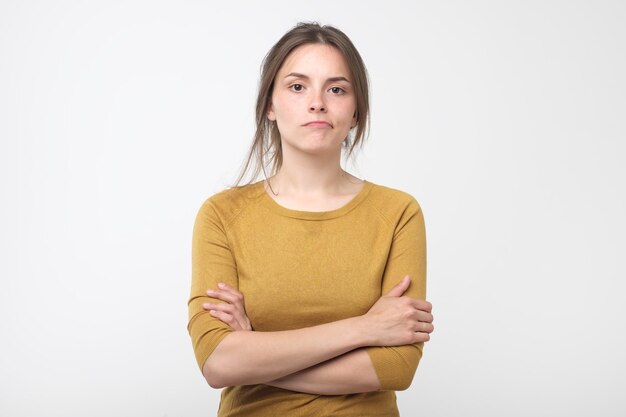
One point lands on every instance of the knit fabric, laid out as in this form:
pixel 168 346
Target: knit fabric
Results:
pixel 298 269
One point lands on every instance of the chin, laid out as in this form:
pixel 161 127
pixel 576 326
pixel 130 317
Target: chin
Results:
pixel 317 148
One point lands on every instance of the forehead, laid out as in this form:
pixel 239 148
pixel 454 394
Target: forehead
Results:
pixel 311 59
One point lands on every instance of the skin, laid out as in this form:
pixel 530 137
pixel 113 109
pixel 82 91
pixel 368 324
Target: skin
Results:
pixel 313 84
pixel 305 91
pixel 335 376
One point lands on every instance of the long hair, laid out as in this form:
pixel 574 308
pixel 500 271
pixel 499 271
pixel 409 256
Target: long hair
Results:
pixel 266 145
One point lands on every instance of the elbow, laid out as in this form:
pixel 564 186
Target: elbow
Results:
pixel 401 382
pixel 406 372
pixel 404 383
pixel 213 381
pixel 218 368
pixel 405 378
pixel 213 376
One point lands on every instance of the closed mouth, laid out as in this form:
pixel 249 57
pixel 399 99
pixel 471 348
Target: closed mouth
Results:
pixel 318 123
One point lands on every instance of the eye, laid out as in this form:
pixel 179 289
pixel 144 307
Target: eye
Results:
pixel 337 90
pixel 296 87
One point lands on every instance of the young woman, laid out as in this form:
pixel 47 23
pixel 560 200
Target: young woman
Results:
pixel 308 287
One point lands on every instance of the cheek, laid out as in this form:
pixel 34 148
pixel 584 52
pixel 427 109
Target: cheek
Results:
pixel 348 110
pixel 286 108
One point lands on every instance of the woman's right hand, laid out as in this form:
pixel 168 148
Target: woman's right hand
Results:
pixel 396 320
pixel 232 311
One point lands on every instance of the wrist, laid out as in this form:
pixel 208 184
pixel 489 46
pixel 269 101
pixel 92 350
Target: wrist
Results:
pixel 360 333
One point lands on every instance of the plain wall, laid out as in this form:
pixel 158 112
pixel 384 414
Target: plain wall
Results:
pixel 504 119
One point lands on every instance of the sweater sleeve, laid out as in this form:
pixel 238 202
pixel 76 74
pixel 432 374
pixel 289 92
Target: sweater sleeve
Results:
pixel 396 365
pixel 212 262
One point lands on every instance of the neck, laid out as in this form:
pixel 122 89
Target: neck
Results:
pixel 310 175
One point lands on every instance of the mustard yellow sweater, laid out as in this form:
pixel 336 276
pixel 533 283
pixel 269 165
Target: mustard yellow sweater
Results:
pixel 318 267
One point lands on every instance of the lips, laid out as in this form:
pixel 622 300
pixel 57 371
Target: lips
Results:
pixel 318 123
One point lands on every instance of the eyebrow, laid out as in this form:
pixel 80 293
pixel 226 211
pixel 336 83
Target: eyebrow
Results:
pixel 332 79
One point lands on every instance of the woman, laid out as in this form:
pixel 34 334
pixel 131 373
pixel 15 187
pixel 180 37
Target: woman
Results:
pixel 333 268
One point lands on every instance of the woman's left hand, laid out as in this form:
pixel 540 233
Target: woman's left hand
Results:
pixel 233 311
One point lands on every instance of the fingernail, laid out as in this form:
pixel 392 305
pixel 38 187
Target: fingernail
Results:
pixel 207 305
pixel 210 291
pixel 221 285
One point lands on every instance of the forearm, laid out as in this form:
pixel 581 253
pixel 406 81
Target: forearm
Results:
pixel 349 373
pixel 246 358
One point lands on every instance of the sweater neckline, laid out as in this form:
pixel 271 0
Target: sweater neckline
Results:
pixel 273 205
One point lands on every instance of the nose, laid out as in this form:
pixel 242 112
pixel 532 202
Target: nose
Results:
pixel 317 103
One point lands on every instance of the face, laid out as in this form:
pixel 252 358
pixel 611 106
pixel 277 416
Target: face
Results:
pixel 313 101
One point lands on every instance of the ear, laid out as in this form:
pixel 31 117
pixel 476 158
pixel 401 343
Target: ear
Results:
pixel 270 112
pixel 354 121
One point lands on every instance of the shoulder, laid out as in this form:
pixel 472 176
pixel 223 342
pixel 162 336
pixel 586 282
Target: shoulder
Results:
pixel 228 203
pixel 392 203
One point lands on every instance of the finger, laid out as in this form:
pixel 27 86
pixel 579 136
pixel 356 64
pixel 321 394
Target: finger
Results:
pixel 229 289
pixel 224 286
pixel 422 327
pixel 227 307
pixel 427 328
pixel 226 318
pixel 421 337
pixel 225 295
pixel 424 316
pixel 240 313
pixel 243 321
pixel 422 305
pixel 238 295
pixel 234 311
pixel 400 287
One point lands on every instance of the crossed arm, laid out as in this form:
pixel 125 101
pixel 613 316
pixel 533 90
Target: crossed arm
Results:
pixel 393 319
pixel 328 361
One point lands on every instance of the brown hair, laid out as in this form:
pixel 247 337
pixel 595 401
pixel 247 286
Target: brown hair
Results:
pixel 267 137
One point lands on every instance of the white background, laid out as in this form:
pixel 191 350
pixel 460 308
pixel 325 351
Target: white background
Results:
pixel 505 120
